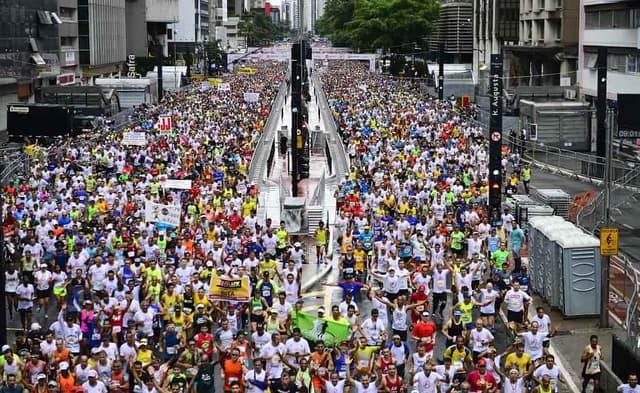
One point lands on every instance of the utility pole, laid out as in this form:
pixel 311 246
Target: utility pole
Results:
pixel 495 140
pixel 3 269
pixel 159 65
pixel 604 151
pixel 441 72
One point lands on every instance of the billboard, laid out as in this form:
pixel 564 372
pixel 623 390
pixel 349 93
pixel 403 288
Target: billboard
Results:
pixel 39 120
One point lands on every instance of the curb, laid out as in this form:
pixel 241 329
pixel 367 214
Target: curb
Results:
pixel 560 359
pixel 317 278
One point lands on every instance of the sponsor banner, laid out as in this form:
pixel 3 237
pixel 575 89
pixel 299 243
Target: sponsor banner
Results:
pixel 251 97
pixel 314 328
pixel 229 289
pixel 224 87
pixel 162 214
pixel 177 184
pixel 134 138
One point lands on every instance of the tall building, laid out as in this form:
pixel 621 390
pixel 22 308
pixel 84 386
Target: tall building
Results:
pixel 224 23
pixel 547 50
pixel 29 49
pixel 146 25
pixel 102 38
pixel 191 30
pixel 69 42
pixel 454 29
pixel 495 24
pixel 616 25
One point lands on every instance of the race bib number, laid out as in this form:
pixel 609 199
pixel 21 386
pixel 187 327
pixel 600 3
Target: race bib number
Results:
pixel 171 350
pixel 117 329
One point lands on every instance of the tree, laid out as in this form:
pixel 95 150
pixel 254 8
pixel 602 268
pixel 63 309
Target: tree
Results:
pixel 214 51
pixel 377 24
pixel 260 30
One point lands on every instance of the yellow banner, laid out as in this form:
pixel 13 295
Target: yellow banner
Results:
pixel 197 77
pixel 246 70
pixel 214 81
pixel 229 289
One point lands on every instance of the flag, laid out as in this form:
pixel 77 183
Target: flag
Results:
pixel 314 329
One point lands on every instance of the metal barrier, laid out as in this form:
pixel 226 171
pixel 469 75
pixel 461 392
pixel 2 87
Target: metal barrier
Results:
pixel 262 148
pixel 339 156
pixel 623 298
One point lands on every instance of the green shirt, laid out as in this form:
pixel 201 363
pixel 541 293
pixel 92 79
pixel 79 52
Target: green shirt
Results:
pixel 500 257
pixel 456 240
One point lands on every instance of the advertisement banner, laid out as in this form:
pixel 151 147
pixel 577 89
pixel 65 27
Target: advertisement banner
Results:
pixel 314 328
pixel 162 214
pixel 134 138
pixel 224 87
pixel 176 184
pixel 251 97
pixel 229 289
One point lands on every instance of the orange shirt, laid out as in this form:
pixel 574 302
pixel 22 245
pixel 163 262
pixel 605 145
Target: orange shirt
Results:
pixel 67 385
pixel 232 372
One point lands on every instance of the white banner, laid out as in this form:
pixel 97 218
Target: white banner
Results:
pixel 224 87
pixel 164 214
pixel 134 138
pixel 176 184
pixel 251 97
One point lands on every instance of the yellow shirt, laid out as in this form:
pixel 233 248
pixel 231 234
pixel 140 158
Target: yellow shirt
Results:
pixel 521 362
pixel 269 266
pixel 360 256
pixel 144 356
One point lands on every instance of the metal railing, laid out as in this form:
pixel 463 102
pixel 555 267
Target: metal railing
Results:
pixel 589 166
pixel 317 198
pixel 339 157
pixel 263 147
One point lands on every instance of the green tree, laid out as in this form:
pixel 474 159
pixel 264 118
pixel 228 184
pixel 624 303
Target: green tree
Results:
pixel 376 24
pixel 214 51
pixel 260 30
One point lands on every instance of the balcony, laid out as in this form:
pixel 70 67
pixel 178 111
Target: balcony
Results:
pixel 621 38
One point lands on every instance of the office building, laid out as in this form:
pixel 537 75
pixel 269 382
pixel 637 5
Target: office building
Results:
pixel 191 30
pixel 615 25
pixel 29 49
pixel 146 25
pixel 224 23
pixel 547 50
pixel 454 29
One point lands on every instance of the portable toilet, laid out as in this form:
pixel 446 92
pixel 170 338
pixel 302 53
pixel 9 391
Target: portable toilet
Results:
pixel 536 248
pixel 553 266
pixel 580 256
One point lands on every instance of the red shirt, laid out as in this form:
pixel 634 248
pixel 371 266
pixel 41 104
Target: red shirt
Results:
pixel 475 379
pixel 425 330
pixel 418 297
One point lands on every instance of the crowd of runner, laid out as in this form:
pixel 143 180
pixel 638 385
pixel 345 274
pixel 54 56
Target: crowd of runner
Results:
pixel 108 302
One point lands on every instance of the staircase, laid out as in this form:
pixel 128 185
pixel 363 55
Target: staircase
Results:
pixel 314 216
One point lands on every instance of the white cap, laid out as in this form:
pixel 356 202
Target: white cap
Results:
pixel 297 244
pixel 321 309
pixel 209 263
pixel 93 374
pixel 41 376
pixel 35 326
pixel 6 348
pixel 64 365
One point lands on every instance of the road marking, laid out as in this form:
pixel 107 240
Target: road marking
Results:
pixel 314 294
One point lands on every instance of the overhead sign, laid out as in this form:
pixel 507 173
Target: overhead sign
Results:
pixel 251 97
pixel 134 138
pixel 162 214
pixel 609 242
pixel 229 289
pixel 165 123
pixel 628 116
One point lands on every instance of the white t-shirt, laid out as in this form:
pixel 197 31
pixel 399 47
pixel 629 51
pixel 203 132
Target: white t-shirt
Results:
pixel 337 388
pixel 99 388
pixel 373 329
pixel 515 300
pixel 625 388
pixel 427 384
pixel 42 279
pixel 25 293
pixel 533 344
pixel 478 337
pixel 251 376
pixel 274 363
pixel 293 346
pixel 369 389
pixel 553 373
pixel 543 323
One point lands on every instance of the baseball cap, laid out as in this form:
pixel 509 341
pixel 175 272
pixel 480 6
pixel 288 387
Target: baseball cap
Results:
pixel 321 309
pixel 144 341
pixel 297 244
pixel 93 374
pixel 64 366
pixel 482 362
pixel 41 376
pixel 425 313
pixel 457 313
pixel 421 288
pixel 5 348
pixel 200 305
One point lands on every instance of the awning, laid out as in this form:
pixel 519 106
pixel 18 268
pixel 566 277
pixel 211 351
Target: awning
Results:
pixel 44 17
pixel 37 59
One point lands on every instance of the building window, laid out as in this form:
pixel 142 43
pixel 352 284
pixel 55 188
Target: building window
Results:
pixel 606 19
pixel 67 42
pixel 621 19
pixel 635 18
pixel 617 63
pixel 67 13
pixel 632 63
pixel 592 20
